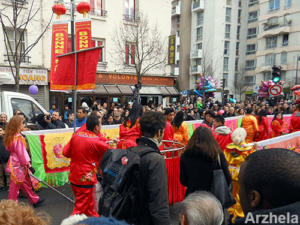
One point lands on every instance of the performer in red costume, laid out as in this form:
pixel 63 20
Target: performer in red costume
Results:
pixel 221 133
pixel 86 151
pixel 168 133
pixel 130 128
pixel 295 120
pixel 277 125
pixel 263 126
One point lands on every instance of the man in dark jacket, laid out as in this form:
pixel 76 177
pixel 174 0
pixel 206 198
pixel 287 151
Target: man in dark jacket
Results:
pixel 153 171
pixel 269 187
pixel 54 122
pixel 208 118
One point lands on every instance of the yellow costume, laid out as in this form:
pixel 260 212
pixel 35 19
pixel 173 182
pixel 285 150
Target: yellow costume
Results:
pixel 235 156
pixel 250 124
pixel 181 134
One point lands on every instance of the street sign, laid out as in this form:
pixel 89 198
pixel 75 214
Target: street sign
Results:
pixel 275 90
pixel 184 93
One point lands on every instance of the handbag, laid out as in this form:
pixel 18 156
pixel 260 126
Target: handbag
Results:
pixel 220 188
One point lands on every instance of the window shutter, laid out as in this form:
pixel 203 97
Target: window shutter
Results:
pixel 126 54
pixel 132 54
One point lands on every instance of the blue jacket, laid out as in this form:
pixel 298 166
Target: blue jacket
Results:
pixel 79 123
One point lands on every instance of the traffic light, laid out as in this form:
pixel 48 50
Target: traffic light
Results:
pixel 276 74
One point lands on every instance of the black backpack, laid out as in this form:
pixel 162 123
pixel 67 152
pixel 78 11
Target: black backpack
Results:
pixel 122 192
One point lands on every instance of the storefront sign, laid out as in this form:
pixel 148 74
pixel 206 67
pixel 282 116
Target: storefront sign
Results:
pixel 59 44
pixel 83 35
pixel 132 79
pixel 28 76
pixel 172 47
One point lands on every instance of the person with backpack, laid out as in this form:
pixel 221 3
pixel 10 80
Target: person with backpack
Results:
pixel 86 151
pixel 134 180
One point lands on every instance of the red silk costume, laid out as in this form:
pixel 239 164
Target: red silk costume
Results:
pixel 223 136
pixel 129 135
pixel 276 126
pixel 295 122
pixel 263 129
pixel 168 136
pixel 86 151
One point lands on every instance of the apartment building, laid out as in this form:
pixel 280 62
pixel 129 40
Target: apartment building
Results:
pixel 209 33
pixel 114 82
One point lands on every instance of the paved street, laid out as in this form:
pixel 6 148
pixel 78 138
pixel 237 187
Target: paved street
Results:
pixel 56 206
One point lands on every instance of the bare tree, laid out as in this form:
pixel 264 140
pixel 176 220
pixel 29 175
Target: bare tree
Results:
pixel 239 82
pixel 208 65
pixel 15 19
pixel 139 47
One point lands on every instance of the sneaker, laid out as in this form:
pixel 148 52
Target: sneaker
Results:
pixel 35 205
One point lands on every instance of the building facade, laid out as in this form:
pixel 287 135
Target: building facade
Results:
pixel 209 33
pixel 106 17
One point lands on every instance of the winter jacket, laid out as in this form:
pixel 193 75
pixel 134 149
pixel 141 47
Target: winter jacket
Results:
pixel 153 175
pixel 196 171
pixel 4 154
pixel 289 214
pixel 223 136
pixel 56 124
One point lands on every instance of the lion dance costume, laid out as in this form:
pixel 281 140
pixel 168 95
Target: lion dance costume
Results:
pixel 235 154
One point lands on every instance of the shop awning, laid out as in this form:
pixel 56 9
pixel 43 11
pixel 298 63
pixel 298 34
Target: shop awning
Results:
pixel 99 89
pixel 164 91
pixel 172 91
pixel 112 89
pixel 150 91
pixel 125 89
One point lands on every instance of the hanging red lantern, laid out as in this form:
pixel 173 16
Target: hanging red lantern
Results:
pixel 83 8
pixel 59 9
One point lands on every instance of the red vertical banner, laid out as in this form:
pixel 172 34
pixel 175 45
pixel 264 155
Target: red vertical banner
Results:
pixel 83 35
pixel 59 46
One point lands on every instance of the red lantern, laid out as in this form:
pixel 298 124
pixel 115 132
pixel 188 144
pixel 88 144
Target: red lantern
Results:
pixel 83 8
pixel 59 9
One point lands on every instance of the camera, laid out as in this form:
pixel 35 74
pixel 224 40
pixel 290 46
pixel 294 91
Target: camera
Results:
pixel 48 117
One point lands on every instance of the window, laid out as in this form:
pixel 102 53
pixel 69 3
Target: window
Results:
pixel 199 46
pixel 226 64
pixel 225 77
pixel 130 10
pixel 100 43
pixel 251 49
pixel 238 32
pixel 250 64
pixel 239 15
pixel 268 76
pixel 227 31
pixel 252 33
pixel 252 17
pixel 271 42
pixel 285 40
pixel 29 109
pixel 130 54
pixel 199 18
pixel 97 7
pixel 237 48
pixel 228 2
pixel 249 80
pixel 20 36
pixel 228 14
pixel 283 58
pixel 253 2
pixel 274 5
pixel 199 33
pixel 287 4
pixel 236 64
pixel 270 59
pixel 226 47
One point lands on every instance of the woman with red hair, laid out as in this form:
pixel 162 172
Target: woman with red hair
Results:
pixel 19 162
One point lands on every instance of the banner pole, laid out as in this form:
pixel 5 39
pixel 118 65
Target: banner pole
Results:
pixel 75 92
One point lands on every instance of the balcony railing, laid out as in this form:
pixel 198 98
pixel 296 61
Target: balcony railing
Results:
pixel 9 57
pixel 196 53
pixel 98 12
pixel 196 69
pixel 176 10
pixel 131 18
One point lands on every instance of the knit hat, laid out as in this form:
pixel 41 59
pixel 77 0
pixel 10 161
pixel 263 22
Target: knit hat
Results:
pixel 101 220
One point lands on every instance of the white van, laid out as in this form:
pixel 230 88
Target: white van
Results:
pixel 12 101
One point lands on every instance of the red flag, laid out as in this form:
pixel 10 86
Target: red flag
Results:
pixel 86 71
